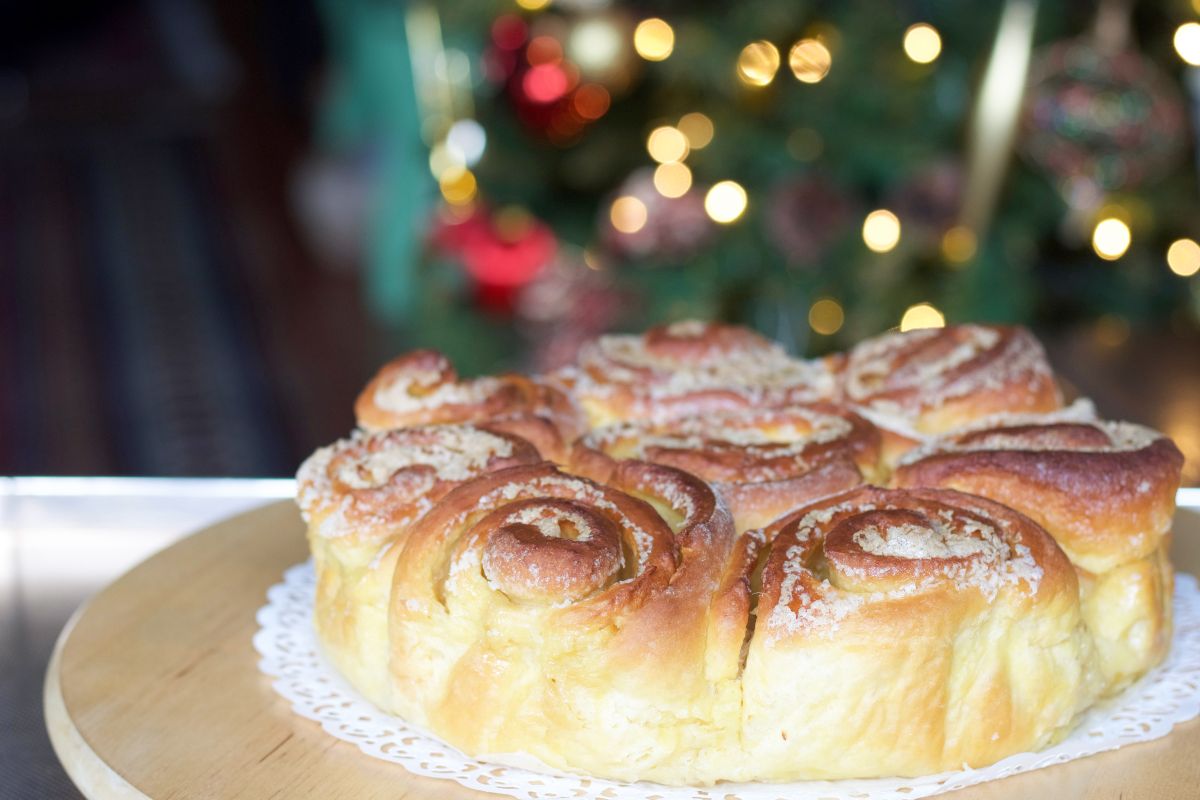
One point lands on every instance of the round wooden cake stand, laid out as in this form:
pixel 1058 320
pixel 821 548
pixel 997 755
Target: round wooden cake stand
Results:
pixel 154 691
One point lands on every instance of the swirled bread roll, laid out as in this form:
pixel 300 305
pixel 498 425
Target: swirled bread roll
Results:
pixel 1106 492
pixel 687 368
pixel 359 498
pixel 929 381
pixel 762 461
pixel 423 388
pixel 544 614
pixel 908 632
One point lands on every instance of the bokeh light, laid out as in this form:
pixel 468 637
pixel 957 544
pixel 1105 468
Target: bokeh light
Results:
pixel 1187 42
pixel 458 186
pixel 467 140
pixel 1183 257
pixel 698 129
pixel 959 244
pixel 1111 238
pixel 591 101
pixel 881 230
pixel 725 202
pixel 533 5
pixel 545 83
pixel 544 50
pixel 805 144
pixel 595 44
pixel 826 316
pixel 667 144
pixel 757 63
pixel 628 214
pixel 922 315
pixel 922 43
pixel 672 179
pixel 653 39
pixel 810 60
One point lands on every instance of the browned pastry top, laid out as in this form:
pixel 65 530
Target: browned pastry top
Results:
pixel 1104 489
pixel 940 378
pixel 422 388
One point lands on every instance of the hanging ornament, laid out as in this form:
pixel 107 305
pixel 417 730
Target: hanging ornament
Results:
pixel 502 252
pixel 640 222
pixel 929 200
pixel 806 215
pixel 1100 121
pixel 566 305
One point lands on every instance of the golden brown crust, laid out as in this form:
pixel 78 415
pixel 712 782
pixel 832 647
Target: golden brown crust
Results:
pixel 612 619
pixel 762 461
pixel 1106 492
pixel 937 379
pixel 491 654
pixel 688 368
pixel 423 388
pixel 897 596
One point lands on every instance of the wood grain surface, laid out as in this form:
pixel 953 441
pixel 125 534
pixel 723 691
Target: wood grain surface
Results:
pixel 154 692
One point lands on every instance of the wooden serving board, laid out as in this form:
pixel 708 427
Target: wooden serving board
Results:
pixel 153 691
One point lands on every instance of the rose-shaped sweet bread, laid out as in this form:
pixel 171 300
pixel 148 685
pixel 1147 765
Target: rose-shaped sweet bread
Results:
pixel 359 497
pixel 1106 492
pixel 907 632
pixel 544 614
pixel 423 388
pixel 687 368
pixel 934 380
pixel 762 461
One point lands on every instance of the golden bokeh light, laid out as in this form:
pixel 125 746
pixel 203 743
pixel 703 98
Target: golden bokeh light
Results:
pixel 698 129
pixel 881 230
pixel 810 60
pixel 725 202
pixel 443 159
pixel 628 214
pixel 1187 42
pixel 1111 330
pixel 757 63
pixel 457 185
pixel 922 315
pixel 654 39
pixel 667 144
pixel 805 144
pixel 1183 257
pixel 959 244
pixel 922 43
pixel 826 316
pixel 533 5
pixel 672 179
pixel 1111 238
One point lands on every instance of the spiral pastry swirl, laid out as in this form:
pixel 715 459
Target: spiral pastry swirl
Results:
pixel 1106 492
pixel 929 381
pixel 952 617
pixel 423 388
pixel 688 367
pixel 359 497
pixel 530 599
pixel 762 461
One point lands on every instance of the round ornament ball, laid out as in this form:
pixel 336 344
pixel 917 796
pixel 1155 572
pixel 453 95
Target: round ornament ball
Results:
pixel 1114 120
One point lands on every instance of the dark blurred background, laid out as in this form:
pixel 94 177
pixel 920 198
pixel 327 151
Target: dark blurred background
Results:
pixel 217 218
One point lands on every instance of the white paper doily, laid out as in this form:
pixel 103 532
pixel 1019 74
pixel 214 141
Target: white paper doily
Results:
pixel 1149 709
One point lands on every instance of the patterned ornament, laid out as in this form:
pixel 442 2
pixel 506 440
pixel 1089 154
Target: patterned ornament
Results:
pixel 806 215
pixel 928 201
pixel 1109 120
pixel 674 229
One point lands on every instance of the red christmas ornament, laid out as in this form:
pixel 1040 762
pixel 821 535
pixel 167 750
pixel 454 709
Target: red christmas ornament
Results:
pixel 506 255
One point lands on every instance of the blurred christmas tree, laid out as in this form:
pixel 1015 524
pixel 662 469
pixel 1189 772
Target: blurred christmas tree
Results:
pixel 821 171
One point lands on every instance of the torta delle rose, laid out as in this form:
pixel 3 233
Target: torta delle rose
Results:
pixel 691 558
